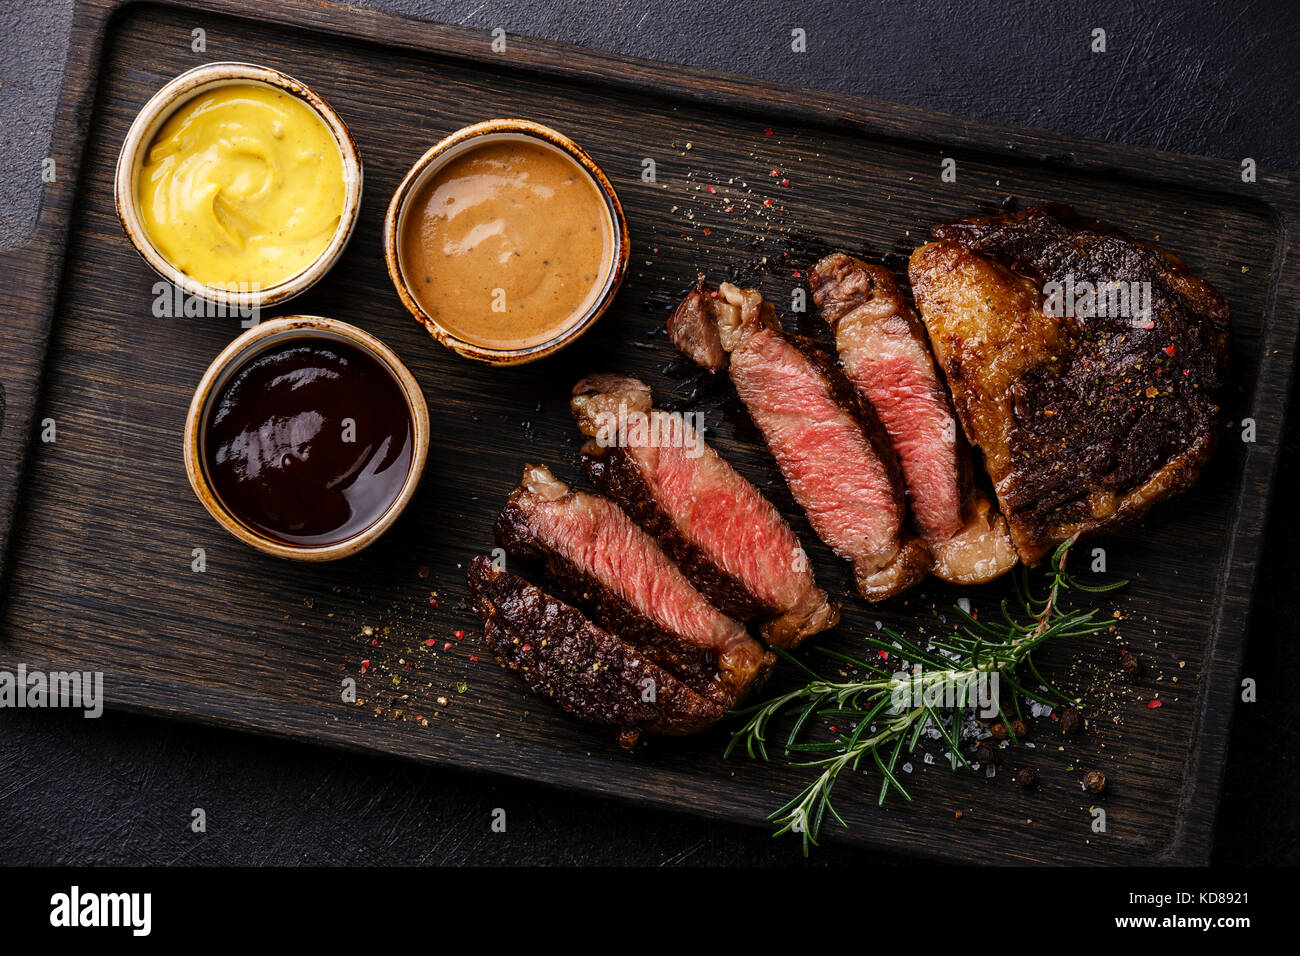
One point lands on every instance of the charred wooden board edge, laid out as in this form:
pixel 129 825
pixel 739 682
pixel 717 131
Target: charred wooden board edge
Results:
pixel 35 269
pixel 323 727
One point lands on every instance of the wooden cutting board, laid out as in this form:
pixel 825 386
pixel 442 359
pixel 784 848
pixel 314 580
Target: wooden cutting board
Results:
pixel 100 525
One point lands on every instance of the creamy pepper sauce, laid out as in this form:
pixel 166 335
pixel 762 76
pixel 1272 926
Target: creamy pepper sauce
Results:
pixel 508 245
pixel 242 187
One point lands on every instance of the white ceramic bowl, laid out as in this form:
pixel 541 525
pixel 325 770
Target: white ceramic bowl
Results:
pixel 243 349
pixel 141 135
pixel 444 152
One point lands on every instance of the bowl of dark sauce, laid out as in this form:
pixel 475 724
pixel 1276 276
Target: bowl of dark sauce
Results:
pixel 306 438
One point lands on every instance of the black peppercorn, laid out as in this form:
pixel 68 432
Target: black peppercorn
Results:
pixel 1027 777
pixel 1071 720
pixel 1094 781
pixel 1131 665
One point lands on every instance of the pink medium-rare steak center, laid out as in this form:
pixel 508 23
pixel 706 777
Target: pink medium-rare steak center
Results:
pixel 830 465
pixel 710 502
pixel 593 534
pixel 917 419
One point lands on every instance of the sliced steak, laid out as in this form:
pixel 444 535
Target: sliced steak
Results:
pixel 828 443
pixel 588 672
pixel 1087 408
pixel 883 349
pixel 632 588
pixel 728 539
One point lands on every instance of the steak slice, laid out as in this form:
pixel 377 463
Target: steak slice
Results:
pixel 1087 408
pixel 588 672
pixel 883 350
pixel 728 539
pixel 595 552
pixel 828 443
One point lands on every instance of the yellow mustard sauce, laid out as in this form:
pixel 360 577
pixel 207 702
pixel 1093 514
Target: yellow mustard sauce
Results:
pixel 242 187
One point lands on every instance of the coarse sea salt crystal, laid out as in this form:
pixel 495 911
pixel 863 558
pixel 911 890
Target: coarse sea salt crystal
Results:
pixel 964 604
pixel 990 771
pixel 929 758
pixel 907 767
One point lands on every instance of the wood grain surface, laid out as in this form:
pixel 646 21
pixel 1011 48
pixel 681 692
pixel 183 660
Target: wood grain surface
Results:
pixel 98 564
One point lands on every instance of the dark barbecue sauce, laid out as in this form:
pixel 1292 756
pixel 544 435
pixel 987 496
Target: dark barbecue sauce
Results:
pixel 278 452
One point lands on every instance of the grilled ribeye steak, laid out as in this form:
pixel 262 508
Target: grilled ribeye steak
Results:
pixel 727 538
pixel 1084 365
pixel 588 672
pixel 883 349
pixel 616 570
pixel 828 443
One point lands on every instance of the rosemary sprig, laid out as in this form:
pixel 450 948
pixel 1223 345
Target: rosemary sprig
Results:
pixel 882 716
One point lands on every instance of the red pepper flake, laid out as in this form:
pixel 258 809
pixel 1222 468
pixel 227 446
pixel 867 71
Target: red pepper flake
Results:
pixel 767 132
pixel 365 665
pixel 767 202
pixel 375 642
pixel 774 173
pixel 430 642
pixel 728 209
pixel 1148 324
pixel 1186 372
pixel 785 182
pixel 1123 652
pixel 713 294
pixel 1153 704
pixel 711 189
pixel 708 231
pixel 798 274
pixel 834 729
pixel 884 654
pixel 458 634
pixel 526 648
pixel 433 600
pixel 1169 350
pixel 447 646
pixel 473 658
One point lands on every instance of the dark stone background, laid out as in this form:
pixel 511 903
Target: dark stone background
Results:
pixel 1215 78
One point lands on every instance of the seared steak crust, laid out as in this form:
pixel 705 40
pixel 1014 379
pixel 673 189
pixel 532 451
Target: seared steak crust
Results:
pixel 588 672
pixel 884 352
pixel 610 566
pixel 1084 420
pixel 728 540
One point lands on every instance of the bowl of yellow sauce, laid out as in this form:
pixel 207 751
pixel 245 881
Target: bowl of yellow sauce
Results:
pixel 238 184
pixel 506 241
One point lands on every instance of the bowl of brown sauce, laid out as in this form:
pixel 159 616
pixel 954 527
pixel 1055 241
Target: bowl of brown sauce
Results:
pixel 506 241
pixel 306 438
